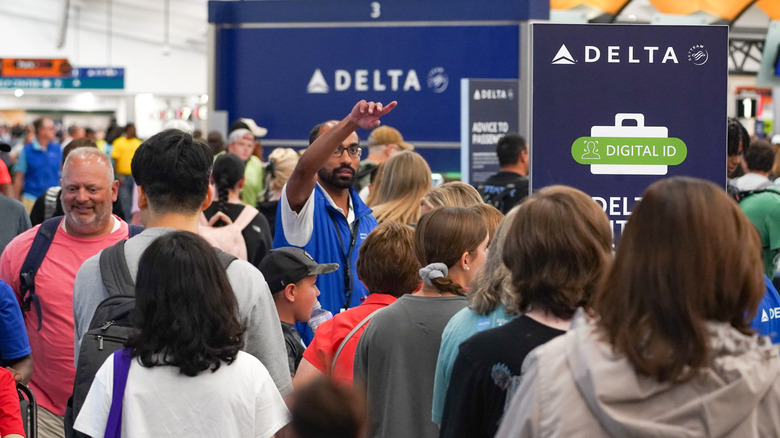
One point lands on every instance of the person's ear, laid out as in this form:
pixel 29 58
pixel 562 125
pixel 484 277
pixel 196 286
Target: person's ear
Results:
pixel 524 156
pixel 143 201
pixel 114 190
pixel 240 183
pixel 465 260
pixel 289 292
pixel 207 201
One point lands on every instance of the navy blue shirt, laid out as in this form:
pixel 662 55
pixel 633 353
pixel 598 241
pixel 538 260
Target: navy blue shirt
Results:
pixel 767 319
pixel 13 336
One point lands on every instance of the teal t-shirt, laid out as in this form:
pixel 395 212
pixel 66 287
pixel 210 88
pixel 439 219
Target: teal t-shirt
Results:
pixel 763 210
pixel 461 326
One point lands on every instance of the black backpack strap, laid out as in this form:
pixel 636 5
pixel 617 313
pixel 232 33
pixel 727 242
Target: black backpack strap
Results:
pixel 134 230
pixel 364 171
pixel 114 271
pixel 767 187
pixel 32 262
pixel 225 258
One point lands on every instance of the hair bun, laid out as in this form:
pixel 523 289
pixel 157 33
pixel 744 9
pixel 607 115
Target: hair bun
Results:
pixel 433 271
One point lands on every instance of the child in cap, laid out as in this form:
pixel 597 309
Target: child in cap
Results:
pixel 291 274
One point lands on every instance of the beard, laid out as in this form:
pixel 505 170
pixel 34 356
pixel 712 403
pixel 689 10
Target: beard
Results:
pixel 333 179
pixel 89 223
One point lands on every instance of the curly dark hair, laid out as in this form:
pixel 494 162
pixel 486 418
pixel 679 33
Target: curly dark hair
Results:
pixel 186 313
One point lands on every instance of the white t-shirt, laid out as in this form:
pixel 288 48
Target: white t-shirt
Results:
pixel 238 400
pixel 298 227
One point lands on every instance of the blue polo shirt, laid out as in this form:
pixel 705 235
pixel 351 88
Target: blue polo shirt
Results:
pixel 41 168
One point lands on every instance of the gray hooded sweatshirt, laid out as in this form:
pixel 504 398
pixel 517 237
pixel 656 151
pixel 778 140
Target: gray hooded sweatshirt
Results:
pixel 576 386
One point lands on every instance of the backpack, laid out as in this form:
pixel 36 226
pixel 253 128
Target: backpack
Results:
pixel 110 326
pixel 51 196
pixel 228 238
pixel 740 195
pixel 35 256
pixel 498 199
pixel 366 175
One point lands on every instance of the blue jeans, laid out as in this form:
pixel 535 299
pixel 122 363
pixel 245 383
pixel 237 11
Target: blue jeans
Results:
pixel 126 195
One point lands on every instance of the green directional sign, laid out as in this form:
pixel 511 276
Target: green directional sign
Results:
pixel 628 150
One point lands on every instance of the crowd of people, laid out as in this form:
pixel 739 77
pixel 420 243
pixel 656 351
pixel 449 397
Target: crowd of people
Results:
pixel 320 294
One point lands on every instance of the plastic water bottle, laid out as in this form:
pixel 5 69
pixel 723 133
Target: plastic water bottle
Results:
pixel 318 316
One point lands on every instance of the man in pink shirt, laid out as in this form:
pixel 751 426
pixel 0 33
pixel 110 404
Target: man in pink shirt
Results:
pixel 88 190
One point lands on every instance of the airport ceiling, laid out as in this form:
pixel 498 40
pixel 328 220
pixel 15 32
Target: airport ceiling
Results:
pixel 182 24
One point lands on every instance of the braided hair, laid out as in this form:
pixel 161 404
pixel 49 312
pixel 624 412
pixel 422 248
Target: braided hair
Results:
pixel 227 172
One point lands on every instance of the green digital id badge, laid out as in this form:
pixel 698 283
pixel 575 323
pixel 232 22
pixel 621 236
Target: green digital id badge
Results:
pixel 629 150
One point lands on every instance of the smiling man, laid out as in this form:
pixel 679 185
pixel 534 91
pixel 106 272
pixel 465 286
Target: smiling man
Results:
pixel 321 213
pixel 88 190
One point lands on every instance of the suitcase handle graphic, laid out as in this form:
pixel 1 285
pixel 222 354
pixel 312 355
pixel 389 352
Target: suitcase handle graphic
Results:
pixel 656 150
pixel 637 117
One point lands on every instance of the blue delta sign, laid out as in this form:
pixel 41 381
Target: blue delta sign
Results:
pixel 290 65
pixel 616 108
pixel 307 76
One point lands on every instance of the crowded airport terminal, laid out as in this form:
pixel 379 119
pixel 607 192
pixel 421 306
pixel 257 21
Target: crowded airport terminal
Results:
pixel 389 218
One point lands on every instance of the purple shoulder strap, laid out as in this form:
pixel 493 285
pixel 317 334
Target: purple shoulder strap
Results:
pixel 121 368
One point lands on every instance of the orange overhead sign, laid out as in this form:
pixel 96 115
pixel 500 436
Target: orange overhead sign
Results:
pixel 770 7
pixel 34 68
pixel 725 9
pixel 610 7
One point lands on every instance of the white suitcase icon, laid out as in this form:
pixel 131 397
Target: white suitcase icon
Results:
pixel 640 130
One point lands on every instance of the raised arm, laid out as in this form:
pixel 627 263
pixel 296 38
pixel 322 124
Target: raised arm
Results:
pixel 301 183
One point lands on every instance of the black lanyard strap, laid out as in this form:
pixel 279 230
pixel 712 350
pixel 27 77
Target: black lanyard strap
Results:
pixel 348 256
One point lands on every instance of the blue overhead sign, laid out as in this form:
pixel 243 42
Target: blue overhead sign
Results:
pixel 86 78
pixel 289 79
pixel 616 108
pixel 316 11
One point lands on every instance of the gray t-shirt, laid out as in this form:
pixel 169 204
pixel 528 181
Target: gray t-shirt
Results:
pixel 395 363
pixel 263 338
pixel 14 218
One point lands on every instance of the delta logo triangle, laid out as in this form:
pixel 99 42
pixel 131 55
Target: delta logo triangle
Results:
pixel 317 84
pixel 563 56
pixel 764 317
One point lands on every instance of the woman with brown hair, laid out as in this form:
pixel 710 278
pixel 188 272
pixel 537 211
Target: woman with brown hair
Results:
pixel 557 249
pixel 396 356
pixel 670 353
pixel 402 180
pixel 485 309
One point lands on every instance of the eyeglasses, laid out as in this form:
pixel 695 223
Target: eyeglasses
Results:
pixel 353 151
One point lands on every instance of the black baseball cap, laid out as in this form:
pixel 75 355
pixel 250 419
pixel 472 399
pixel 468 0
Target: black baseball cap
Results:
pixel 288 265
